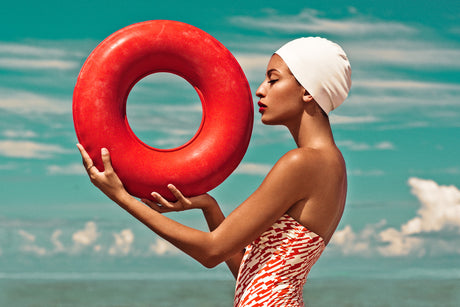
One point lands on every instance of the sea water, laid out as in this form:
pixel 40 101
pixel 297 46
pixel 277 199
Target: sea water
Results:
pixel 177 280
pixel 216 293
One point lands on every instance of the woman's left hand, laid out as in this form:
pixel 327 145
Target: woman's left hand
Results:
pixel 107 180
pixel 182 203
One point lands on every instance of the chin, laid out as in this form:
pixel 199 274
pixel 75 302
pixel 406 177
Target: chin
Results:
pixel 269 122
pixel 265 121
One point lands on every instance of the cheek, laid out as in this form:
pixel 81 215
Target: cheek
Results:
pixel 290 91
pixel 290 98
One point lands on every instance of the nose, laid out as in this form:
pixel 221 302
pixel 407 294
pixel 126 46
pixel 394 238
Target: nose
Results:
pixel 261 90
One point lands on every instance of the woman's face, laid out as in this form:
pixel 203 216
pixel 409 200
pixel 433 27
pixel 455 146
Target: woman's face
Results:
pixel 281 96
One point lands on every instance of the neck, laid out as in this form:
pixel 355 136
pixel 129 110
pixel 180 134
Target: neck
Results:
pixel 312 130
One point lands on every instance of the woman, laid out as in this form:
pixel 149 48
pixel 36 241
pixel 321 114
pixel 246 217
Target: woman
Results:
pixel 272 239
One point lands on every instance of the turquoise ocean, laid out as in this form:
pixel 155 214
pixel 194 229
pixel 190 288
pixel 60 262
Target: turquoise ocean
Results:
pixel 218 293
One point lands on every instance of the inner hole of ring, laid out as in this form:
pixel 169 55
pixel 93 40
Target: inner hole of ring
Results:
pixel 164 111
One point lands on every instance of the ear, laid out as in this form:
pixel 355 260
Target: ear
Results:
pixel 306 97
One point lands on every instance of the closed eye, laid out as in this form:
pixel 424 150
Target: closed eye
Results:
pixel 272 81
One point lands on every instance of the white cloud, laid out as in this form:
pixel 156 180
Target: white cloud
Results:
pixel 436 102
pixel 309 21
pixel 29 50
pixel 138 109
pixel 427 232
pixel 28 149
pixel 162 247
pixel 251 61
pixel 402 84
pixel 29 245
pixel 90 239
pixel 360 146
pixel 399 244
pixel 384 146
pixel 386 95
pixel 404 52
pixel 352 10
pixel 164 126
pixel 440 207
pixel 28 103
pixel 254 64
pixel 341 119
pixel 253 169
pixel 23 134
pixel 372 172
pixel 71 169
pixel 455 170
pixel 27 57
pixel 85 237
pixel 383 104
pixel 123 243
pixel 408 47
pixel 27 236
pixel 58 246
pixel 36 64
pixel 352 243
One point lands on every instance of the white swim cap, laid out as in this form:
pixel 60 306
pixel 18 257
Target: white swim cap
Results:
pixel 321 67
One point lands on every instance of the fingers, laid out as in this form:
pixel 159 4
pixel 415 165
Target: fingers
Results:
pixel 155 206
pixel 161 200
pixel 91 169
pixel 105 155
pixel 160 204
pixel 87 161
pixel 178 195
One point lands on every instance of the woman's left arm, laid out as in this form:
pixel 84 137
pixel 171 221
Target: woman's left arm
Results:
pixel 211 211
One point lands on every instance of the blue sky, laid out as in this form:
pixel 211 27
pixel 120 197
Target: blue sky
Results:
pixel 398 130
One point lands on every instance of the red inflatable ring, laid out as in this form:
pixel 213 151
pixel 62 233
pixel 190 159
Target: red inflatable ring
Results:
pixel 128 55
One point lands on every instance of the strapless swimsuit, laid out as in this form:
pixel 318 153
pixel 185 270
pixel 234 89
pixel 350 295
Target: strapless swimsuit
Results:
pixel 275 266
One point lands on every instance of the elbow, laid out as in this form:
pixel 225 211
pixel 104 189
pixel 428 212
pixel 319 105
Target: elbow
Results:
pixel 214 252
pixel 212 257
pixel 210 261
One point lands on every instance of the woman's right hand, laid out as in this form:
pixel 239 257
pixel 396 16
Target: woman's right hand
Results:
pixel 182 203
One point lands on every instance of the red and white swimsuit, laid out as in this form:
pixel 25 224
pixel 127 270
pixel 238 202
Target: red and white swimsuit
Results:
pixel 275 266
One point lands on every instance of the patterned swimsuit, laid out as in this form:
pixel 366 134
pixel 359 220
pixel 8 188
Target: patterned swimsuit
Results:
pixel 275 266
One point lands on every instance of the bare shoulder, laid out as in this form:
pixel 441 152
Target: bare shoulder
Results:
pixel 301 174
pixel 327 161
pixel 314 171
pixel 320 180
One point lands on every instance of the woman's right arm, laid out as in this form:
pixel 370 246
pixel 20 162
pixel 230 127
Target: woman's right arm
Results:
pixel 284 186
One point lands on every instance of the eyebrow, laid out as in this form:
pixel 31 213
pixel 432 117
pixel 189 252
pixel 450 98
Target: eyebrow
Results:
pixel 272 70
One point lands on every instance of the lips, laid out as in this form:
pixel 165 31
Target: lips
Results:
pixel 262 107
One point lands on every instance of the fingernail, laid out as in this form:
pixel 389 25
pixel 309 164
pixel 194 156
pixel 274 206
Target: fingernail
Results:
pixel 104 151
